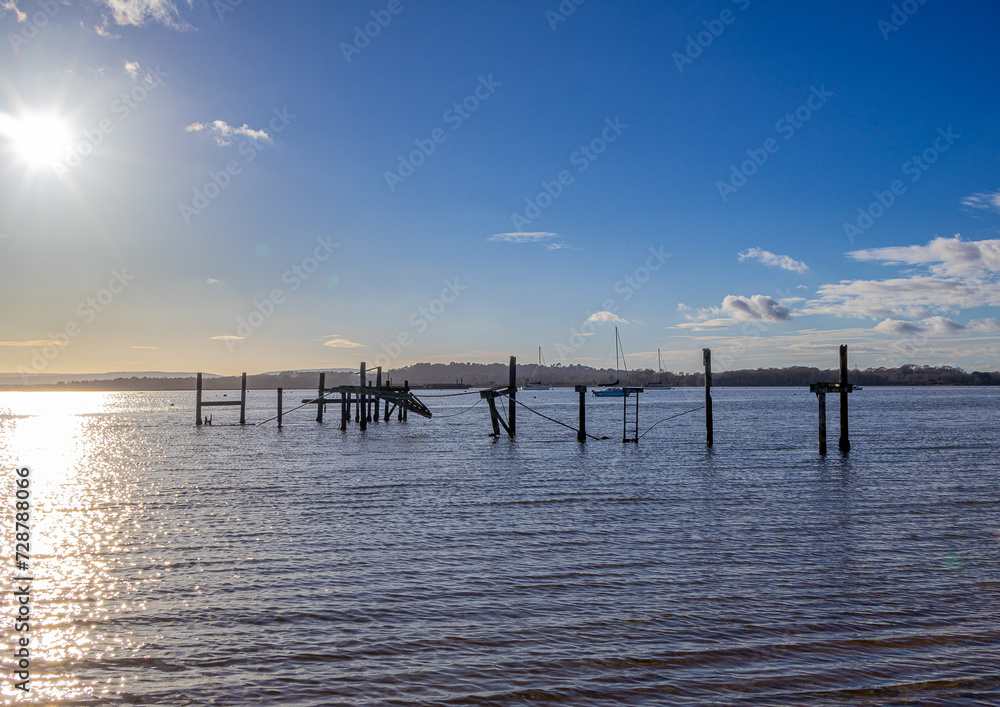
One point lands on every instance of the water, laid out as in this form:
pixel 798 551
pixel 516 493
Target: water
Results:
pixel 424 563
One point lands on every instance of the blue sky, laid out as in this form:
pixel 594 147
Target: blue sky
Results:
pixel 229 186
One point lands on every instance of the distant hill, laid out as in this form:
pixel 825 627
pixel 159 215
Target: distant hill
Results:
pixel 482 375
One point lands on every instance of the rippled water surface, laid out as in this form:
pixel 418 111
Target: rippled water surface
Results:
pixel 423 563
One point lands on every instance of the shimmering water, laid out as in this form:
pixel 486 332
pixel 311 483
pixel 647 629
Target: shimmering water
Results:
pixel 424 563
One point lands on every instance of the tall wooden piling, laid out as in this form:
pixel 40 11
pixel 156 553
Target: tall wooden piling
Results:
pixel 281 393
pixel 345 410
pixel 820 390
pixel 378 384
pixel 845 440
pixel 197 400
pixel 243 400
pixel 709 424
pixel 512 400
pixel 319 397
pixel 363 401
pixel 581 433
pixel 401 415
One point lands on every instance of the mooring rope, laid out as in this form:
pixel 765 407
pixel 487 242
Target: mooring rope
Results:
pixel 441 417
pixel 671 418
pixel 557 421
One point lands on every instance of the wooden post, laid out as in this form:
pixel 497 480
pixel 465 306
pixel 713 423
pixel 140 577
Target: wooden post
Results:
pixel 363 400
pixel 845 440
pixel 368 407
pixel 581 434
pixel 319 397
pixel 403 410
pixel 243 400
pixel 512 403
pixel 197 400
pixel 821 398
pixel 281 392
pixel 378 385
pixel 494 415
pixel 345 409
pixel 709 423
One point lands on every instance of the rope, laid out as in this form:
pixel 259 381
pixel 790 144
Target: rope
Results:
pixel 556 421
pixel 285 412
pixel 441 417
pixel 449 395
pixel 671 418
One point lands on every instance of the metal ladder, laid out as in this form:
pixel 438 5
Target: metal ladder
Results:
pixel 630 418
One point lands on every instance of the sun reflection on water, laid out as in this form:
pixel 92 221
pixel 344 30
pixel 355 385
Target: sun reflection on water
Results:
pixel 79 507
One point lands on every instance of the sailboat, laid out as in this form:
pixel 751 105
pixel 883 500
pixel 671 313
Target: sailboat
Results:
pixel 614 391
pixel 660 385
pixel 528 385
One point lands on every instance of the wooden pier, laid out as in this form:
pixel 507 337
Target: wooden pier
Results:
pixel 375 401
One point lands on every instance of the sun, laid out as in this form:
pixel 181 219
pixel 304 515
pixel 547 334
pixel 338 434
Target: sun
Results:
pixel 35 140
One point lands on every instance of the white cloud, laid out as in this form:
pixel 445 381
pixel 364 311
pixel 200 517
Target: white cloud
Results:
pixel 132 68
pixel 139 12
pixel 226 337
pixel 11 6
pixel 913 298
pixel 938 326
pixel 606 316
pixel 983 201
pixel 945 257
pixel 223 132
pixel 707 325
pixel 766 257
pixel 759 308
pixel 524 237
pixel 144 348
pixel 339 343
pixel 681 307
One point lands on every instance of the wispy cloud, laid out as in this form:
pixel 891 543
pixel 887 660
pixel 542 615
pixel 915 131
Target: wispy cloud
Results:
pixel 524 237
pixel 36 343
pixel 987 200
pixel 735 309
pixel 938 326
pixel 766 257
pixel 132 68
pixel 137 13
pixel 605 316
pixel 337 342
pixel 945 257
pixel 223 132
pixel 11 6
pixel 227 337
pixel 913 297
pixel 144 348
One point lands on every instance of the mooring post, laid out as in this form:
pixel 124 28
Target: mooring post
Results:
pixel 845 440
pixel 345 408
pixel 319 397
pixel 363 405
pixel 197 399
pixel 403 409
pixel 581 434
pixel 371 401
pixel 512 402
pixel 281 392
pixel 709 432
pixel 821 398
pixel 378 386
pixel 243 400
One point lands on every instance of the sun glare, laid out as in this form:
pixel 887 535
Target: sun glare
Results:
pixel 36 140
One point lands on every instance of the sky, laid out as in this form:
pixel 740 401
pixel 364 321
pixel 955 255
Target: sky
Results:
pixel 233 186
